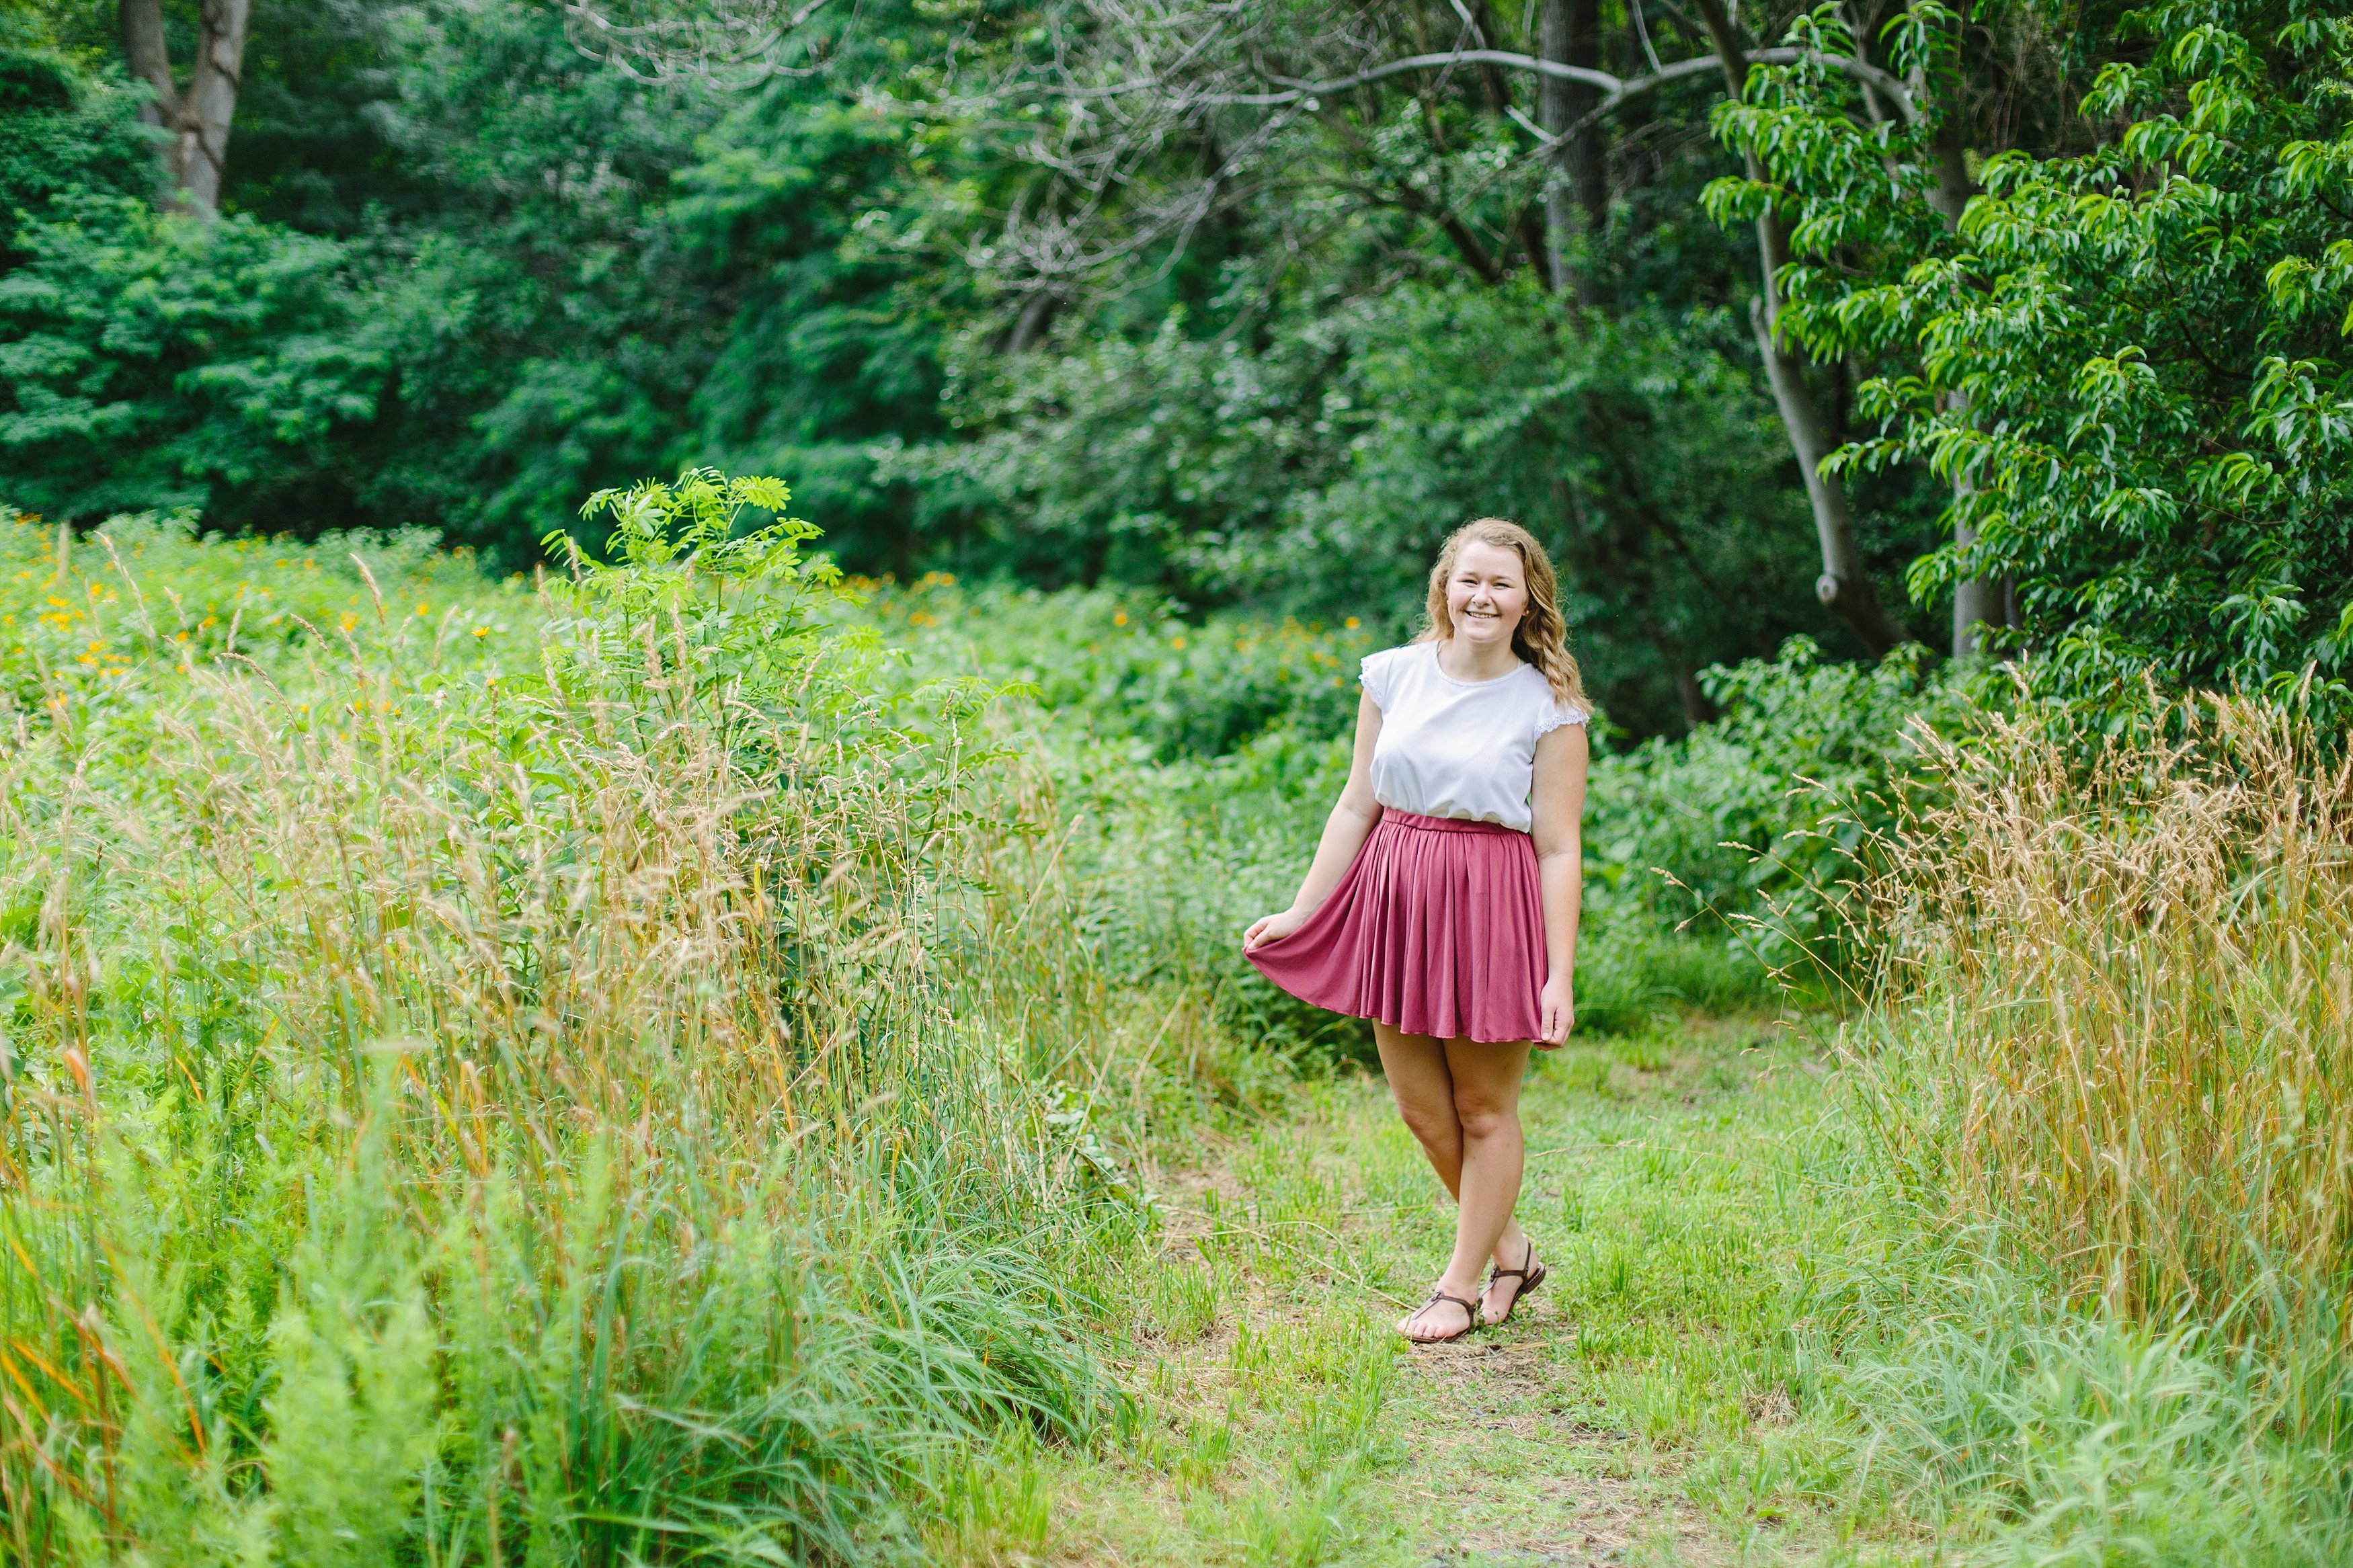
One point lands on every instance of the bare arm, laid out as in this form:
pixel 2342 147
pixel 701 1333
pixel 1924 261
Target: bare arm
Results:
pixel 1558 805
pixel 1345 832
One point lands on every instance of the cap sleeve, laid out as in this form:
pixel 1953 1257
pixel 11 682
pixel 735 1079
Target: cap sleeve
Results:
pixel 1554 714
pixel 1376 674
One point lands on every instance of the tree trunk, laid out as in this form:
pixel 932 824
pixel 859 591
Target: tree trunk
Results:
pixel 1976 601
pixel 1538 244
pixel 1844 587
pixel 1689 694
pixel 1575 189
pixel 1029 327
pixel 1586 156
pixel 1954 186
pixel 1979 599
pixel 198 119
pixel 142 22
pixel 1528 225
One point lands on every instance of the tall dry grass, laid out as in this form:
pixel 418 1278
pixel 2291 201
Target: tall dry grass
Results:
pixel 2119 1016
pixel 470 1115
pixel 2104 1079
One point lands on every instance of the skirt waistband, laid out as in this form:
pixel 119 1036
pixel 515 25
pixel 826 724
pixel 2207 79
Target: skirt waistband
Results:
pixel 1414 820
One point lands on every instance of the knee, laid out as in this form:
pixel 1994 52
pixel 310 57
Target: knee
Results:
pixel 1432 1123
pixel 1482 1117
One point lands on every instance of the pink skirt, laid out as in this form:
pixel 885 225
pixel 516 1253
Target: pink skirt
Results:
pixel 1437 929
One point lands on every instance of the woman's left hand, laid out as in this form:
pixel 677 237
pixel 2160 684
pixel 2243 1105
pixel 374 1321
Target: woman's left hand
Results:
pixel 1557 1006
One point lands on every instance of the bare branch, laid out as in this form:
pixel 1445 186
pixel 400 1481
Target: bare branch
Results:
pixel 733 45
pixel 1147 119
pixel 1616 89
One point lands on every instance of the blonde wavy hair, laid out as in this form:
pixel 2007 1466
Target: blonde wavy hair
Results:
pixel 1542 637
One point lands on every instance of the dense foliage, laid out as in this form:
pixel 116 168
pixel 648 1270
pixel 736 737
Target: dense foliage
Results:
pixel 466 274
pixel 1250 350
pixel 2128 361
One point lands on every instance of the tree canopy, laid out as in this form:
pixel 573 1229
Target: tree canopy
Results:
pixel 1859 321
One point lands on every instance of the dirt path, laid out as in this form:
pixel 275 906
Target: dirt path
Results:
pixel 1640 1409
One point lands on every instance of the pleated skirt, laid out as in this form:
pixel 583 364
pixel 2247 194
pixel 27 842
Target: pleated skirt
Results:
pixel 1437 929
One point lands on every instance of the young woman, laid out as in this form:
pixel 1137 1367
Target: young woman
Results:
pixel 1443 900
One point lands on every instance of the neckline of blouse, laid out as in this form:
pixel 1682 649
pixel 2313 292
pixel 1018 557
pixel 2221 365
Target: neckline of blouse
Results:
pixel 1439 665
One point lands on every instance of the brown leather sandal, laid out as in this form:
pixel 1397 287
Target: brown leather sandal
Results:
pixel 1530 1274
pixel 1470 1313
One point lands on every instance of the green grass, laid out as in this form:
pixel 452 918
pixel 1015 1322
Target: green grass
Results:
pixel 485 1098
pixel 1652 1396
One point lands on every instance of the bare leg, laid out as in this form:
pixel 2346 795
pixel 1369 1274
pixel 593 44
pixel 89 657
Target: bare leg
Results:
pixel 1487 1107
pixel 1431 1095
pixel 1423 1088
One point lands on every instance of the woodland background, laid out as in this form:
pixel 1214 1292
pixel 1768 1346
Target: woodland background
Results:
pixel 1085 292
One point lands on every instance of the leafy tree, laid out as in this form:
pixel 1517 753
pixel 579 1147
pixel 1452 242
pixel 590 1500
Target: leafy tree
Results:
pixel 468 275
pixel 1251 308
pixel 150 359
pixel 832 355
pixel 1391 139
pixel 2128 360
pixel 639 276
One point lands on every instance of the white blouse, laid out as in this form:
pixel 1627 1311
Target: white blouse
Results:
pixel 1459 748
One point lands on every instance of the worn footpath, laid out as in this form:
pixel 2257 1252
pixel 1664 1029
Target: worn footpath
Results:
pixel 1642 1407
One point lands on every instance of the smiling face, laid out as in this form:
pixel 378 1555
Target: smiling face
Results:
pixel 1486 593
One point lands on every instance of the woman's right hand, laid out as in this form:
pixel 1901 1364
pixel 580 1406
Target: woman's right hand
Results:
pixel 1273 928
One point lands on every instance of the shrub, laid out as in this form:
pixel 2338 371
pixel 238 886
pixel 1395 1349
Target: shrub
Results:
pixel 156 361
pixel 1123 665
pixel 1753 823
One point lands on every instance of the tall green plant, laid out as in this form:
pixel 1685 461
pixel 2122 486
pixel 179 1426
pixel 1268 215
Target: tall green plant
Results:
pixel 2101 1091
pixel 674 553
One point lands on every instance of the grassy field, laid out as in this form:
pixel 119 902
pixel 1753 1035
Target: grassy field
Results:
pixel 2029 1252
pixel 664 1064
pixel 487 1078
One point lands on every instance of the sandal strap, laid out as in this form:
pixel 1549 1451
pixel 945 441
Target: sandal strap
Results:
pixel 1527 1266
pixel 1470 1307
